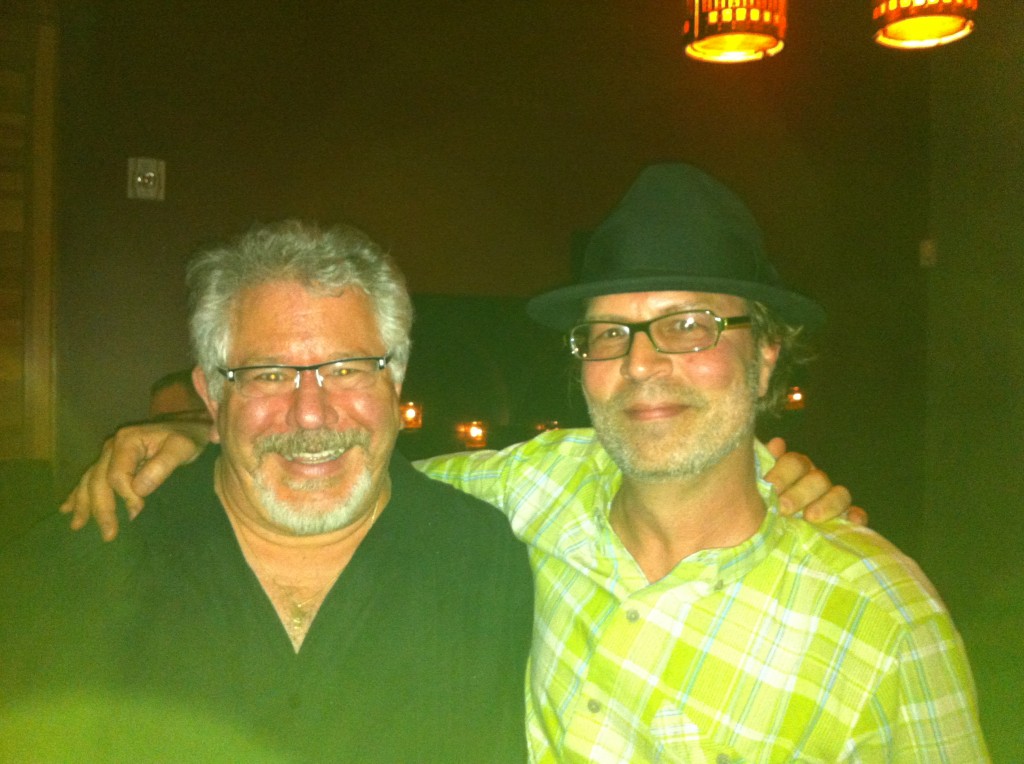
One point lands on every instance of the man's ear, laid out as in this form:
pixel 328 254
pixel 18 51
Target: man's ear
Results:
pixel 212 404
pixel 398 398
pixel 769 356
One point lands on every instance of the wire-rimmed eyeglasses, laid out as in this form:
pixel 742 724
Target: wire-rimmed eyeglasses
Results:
pixel 331 376
pixel 688 331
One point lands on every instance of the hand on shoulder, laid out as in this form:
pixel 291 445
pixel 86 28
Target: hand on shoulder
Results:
pixel 802 487
pixel 133 462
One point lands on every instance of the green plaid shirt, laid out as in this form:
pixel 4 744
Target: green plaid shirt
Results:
pixel 805 643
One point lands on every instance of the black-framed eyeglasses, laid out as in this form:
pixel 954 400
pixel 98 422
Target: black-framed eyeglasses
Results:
pixel 332 376
pixel 689 331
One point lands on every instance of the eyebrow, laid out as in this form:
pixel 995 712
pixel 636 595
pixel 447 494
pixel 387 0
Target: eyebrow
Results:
pixel 274 361
pixel 666 311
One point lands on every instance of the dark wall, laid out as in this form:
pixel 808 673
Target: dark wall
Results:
pixel 973 520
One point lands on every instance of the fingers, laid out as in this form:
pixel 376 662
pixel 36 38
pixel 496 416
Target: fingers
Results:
pixel 789 474
pixel 155 471
pixel 131 451
pixel 93 497
pixel 776 447
pixel 159 450
pixel 857 515
pixel 802 487
pixel 835 502
pixel 806 492
pixel 76 504
pixel 132 463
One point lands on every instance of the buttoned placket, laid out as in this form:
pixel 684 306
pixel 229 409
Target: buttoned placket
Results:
pixel 623 630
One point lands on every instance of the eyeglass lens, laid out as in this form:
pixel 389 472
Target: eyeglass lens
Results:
pixel 687 332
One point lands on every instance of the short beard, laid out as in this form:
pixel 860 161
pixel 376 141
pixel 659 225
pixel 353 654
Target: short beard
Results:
pixel 291 514
pixel 678 460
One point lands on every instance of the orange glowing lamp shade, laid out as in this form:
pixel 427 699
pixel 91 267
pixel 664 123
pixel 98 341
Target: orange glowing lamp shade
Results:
pixel 734 31
pixel 795 399
pixel 472 434
pixel 922 23
pixel 412 416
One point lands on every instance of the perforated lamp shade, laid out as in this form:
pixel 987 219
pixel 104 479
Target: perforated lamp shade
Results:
pixel 922 23
pixel 732 31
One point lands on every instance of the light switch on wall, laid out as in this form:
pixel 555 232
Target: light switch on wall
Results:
pixel 146 177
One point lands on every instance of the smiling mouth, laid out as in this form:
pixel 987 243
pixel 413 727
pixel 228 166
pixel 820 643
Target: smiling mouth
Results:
pixel 667 408
pixel 658 402
pixel 318 457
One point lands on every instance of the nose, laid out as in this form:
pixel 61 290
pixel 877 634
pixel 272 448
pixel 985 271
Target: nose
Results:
pixel 311 406
pixel 643 360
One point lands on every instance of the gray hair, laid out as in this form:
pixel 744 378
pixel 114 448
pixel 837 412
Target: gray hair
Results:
pixel 325 261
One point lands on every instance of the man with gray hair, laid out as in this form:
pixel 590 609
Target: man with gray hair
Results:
pixel 301 588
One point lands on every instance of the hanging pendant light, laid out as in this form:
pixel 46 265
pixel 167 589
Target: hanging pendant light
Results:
pixel 731 31
pixel 922 23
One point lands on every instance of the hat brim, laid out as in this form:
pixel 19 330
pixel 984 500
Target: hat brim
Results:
pixel 562 308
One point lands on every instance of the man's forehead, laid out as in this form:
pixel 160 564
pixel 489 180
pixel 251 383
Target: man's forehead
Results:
pixel 273 317
pixel 653 303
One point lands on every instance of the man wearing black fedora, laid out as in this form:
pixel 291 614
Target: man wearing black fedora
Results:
pixel 679 615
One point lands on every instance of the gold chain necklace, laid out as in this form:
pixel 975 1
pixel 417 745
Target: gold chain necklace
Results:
pixel 295 605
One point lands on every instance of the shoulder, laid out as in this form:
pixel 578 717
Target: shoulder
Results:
pixel 52 555
pixel 51 551
pixel 456 536
pixel 184 508
pixel 563 460
pixel 562 473
pixel 57 586
pixel 189 483
pixel 556 471
pixel 578 444
pixel 439 507
pixel 575 443
pixel 872 569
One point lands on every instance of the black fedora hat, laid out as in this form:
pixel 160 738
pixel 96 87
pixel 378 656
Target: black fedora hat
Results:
pixel 676 229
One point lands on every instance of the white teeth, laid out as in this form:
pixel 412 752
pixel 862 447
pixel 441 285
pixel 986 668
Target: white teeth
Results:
pixel 318 457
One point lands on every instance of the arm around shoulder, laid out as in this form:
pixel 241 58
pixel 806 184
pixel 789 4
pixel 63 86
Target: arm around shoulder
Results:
pixel 132 464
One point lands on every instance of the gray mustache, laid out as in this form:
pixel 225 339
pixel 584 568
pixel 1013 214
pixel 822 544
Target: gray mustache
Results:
pixel 310 441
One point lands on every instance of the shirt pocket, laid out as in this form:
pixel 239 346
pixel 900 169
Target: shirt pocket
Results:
pixel 678 740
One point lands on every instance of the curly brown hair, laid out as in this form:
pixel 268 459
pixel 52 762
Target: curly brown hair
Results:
pixel 794 351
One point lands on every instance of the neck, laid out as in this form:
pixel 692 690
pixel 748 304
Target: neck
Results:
pixel 663 522
pixel 297 572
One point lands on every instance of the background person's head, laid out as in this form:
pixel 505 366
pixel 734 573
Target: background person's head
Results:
pixel 173 396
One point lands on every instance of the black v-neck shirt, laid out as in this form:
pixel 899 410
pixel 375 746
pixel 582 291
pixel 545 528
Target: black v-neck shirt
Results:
pixel 417 654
